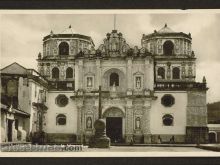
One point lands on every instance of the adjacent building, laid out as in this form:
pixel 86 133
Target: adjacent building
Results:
pixel 23 93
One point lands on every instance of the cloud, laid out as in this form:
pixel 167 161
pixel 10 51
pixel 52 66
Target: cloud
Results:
pixel 211 71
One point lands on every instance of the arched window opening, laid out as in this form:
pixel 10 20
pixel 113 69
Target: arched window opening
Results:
pixel 64 48
pixel 168 48
pixel 176 73
pixel 114 79
pixel 167 120
pixel 55 73
pixel 61 119
pixel 161 73
pixel 69 73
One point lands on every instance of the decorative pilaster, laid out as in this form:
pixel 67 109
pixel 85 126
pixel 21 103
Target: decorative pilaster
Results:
pixel 79 124
pixel 96 110
pixel 146 73
pixel 129 76
pixel 79 137
pixel 76 76
pixel 98 74
pixel 146 124
pixel 129 121
pixel 80 77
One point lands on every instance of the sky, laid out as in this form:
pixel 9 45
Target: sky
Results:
pixel 22 34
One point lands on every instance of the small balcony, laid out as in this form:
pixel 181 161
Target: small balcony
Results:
pixel 179 86
pixel 61 86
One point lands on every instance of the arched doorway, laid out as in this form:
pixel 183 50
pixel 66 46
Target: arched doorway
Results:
pixel 212 137
pixel 168 48
pixel 114 124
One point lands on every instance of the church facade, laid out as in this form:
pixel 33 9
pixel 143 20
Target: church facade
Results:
pixel 149 94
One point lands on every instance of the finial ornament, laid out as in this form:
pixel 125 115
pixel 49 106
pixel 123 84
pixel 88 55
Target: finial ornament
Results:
pixel 114 21
pixel 165 25
pixel 39 55
pixel 51 32
pixel 204 79
pixel 192 54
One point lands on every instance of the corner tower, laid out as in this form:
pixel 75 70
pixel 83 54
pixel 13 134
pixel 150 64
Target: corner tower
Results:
pixel 174 58
pixel 57 61
pixel 181 104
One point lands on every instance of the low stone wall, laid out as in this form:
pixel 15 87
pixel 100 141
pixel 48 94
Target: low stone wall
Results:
pixel 60 138
pixel 167 139
pixel 153 139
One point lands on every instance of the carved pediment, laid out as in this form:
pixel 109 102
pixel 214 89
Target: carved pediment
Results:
pixel 114 42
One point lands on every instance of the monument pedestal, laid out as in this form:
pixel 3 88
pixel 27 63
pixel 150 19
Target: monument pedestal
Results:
pixel 99 140
pixel 147 139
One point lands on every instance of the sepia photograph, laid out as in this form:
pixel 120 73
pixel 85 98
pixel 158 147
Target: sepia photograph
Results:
pixel 128 82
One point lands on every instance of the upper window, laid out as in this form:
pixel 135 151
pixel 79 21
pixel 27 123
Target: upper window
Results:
pixel 69 73
pixel 55 73
pixel 61 119
pixel 167 120
pixel 64 48
pixel 168 48
pixel 161 73
pixel 61 100
pixel 114 79
pixel 167 100
pixel 176 73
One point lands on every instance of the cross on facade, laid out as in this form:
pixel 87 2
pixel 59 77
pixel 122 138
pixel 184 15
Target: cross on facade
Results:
pixel 100 99
pixel 114 21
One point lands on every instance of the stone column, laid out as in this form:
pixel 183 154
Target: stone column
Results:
pixel 146 124
pixel 96 109
pixel 129 121
pixel 146 74
pixel 76 76
pixel 80 115
pixel 98 79
pixel 81 75
pixel 129 76
pixel 149 73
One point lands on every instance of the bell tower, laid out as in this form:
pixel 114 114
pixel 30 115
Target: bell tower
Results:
pixel 57 63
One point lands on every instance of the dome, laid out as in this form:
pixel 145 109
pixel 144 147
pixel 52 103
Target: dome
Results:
pixel 69 30
pixel 166 29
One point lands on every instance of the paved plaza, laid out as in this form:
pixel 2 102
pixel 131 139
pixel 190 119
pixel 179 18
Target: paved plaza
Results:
pixel 146 149
pixel 81 148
